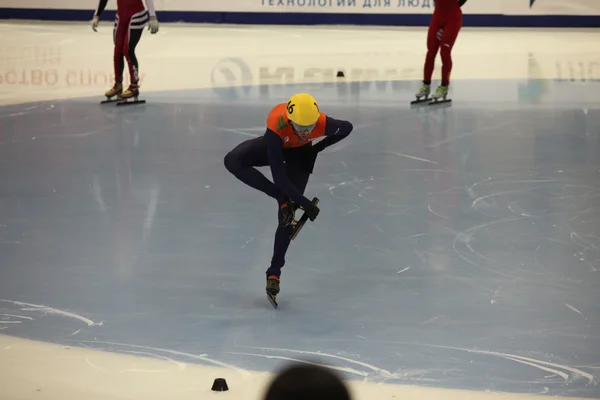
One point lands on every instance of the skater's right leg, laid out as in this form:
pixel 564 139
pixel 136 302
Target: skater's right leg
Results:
pixel 434 35
pixel 432 50
pixel 451 29
pixel 299 178
pixel 119 34
pixel 299 166
pixel 241 162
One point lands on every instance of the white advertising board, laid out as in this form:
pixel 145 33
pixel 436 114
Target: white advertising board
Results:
pixel 495 7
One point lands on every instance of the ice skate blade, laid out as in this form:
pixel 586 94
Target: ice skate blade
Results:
pixel 298 227
pixel 108 100
pixel 421 101
pixel 436 102
pixel 272 300
pixel 130 102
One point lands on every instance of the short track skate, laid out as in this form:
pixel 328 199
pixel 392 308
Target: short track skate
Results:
pixel 112 95
pixel 439 97
pixel 422 95
pixel 299 224
pixel 130 97
pixel 273 290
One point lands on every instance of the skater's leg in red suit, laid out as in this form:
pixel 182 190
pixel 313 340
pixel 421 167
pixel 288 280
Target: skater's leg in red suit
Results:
pixel 119 34
pixel 451 30
pixel 433 45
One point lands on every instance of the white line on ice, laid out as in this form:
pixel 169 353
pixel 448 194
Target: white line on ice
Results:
pixel 411 157
pixel 574 309
pixel 50 310
pixel 319 353
pixel 17 316
pixel 342 369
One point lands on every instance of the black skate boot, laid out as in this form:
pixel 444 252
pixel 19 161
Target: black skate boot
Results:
pixel 273 289
pixel 287 213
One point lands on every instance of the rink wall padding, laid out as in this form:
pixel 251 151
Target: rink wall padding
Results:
pixel 476 20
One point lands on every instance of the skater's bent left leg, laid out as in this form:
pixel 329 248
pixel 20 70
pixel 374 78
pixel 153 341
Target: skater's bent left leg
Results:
pixel 241 162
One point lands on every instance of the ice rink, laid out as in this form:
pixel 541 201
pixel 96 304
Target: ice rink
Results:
pixel 456 256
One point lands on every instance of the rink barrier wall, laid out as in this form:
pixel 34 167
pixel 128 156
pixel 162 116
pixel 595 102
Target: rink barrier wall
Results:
pixel 297 18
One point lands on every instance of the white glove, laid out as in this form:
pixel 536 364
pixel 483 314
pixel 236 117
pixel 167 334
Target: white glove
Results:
pixel 153 25
pixel 95 22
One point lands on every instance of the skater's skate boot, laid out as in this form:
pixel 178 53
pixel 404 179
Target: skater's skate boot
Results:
pixel 116 90
pixel 273 286
pixel 423 92
pixel 130 96
pixel 132 92
pixel 287 213
pixel 440 93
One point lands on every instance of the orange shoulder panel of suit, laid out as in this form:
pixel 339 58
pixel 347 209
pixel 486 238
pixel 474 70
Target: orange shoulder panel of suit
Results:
pixel 274 116
pixel 320 127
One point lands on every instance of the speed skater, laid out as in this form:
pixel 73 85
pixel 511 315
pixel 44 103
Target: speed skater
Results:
pixel 444 27
pixel 130 20
pixel 287 148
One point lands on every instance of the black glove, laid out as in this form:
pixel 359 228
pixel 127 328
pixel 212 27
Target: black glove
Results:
pixel 312 211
